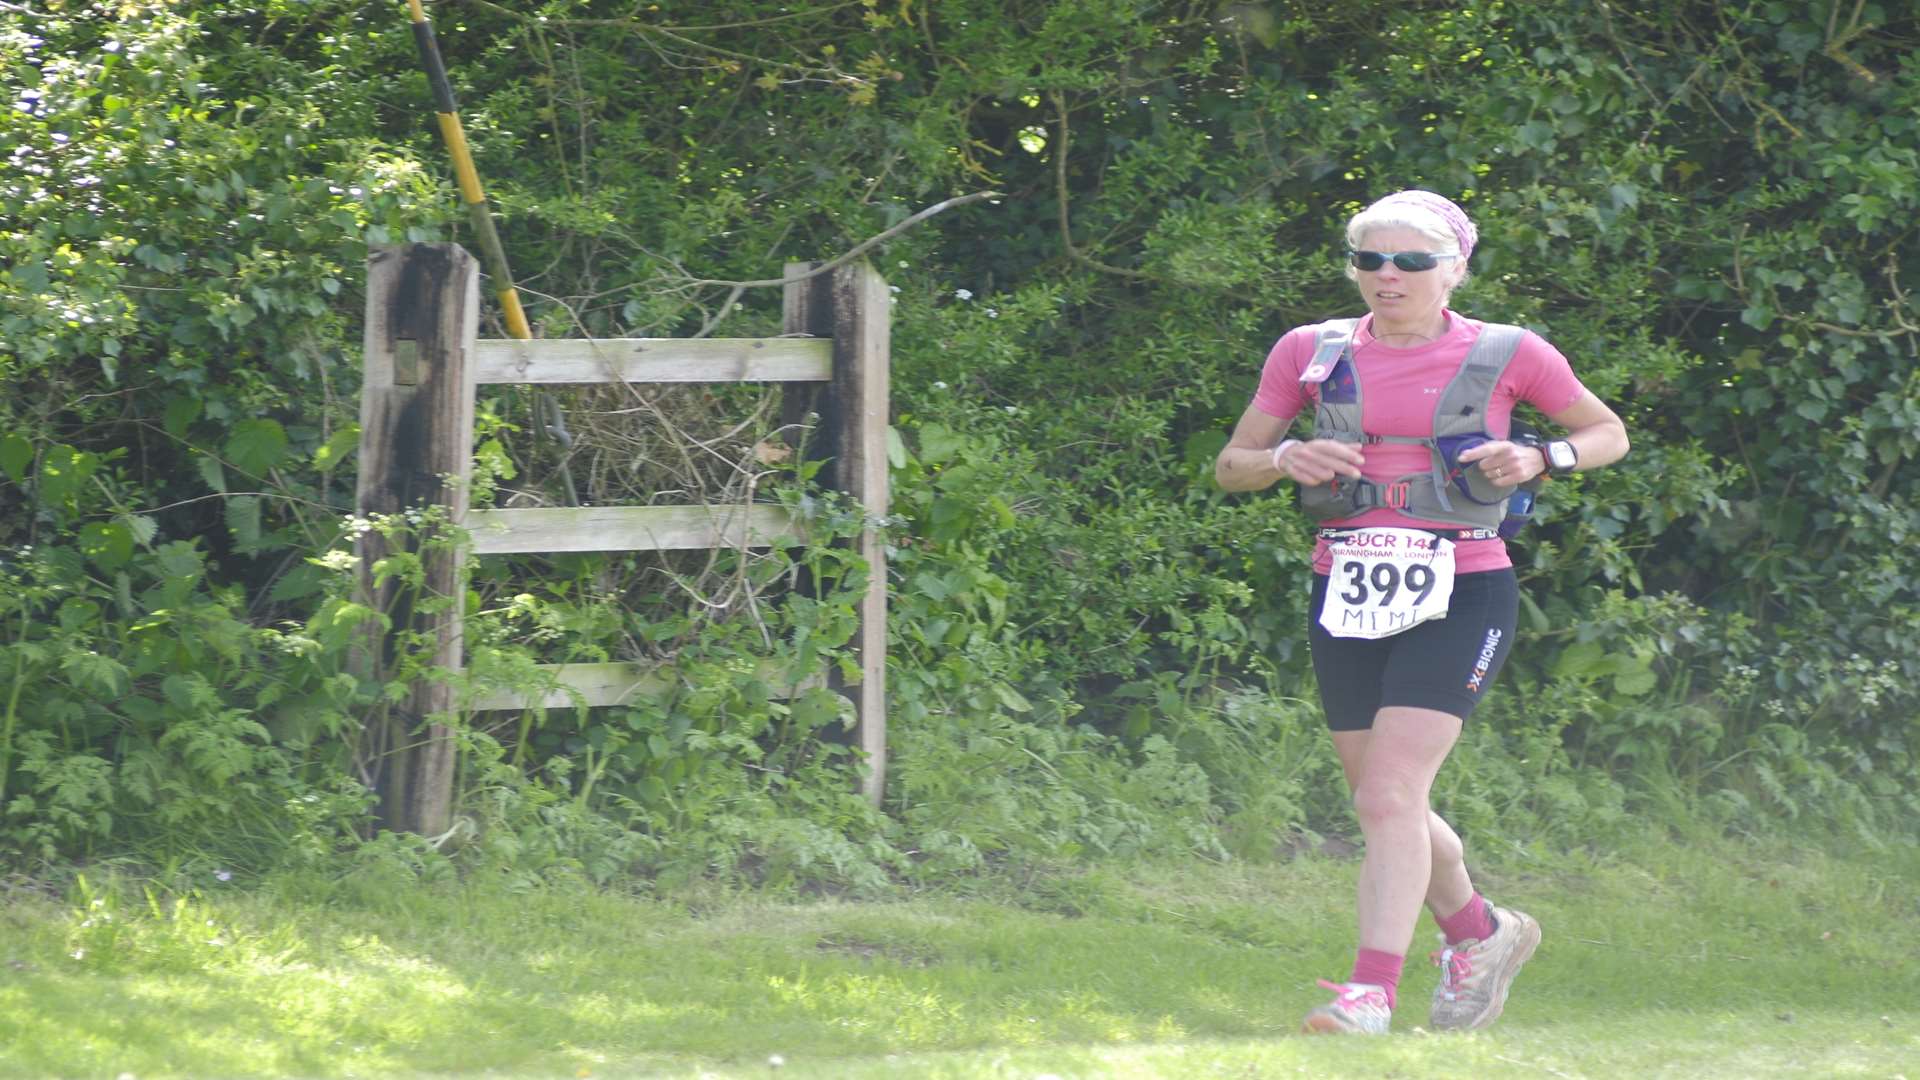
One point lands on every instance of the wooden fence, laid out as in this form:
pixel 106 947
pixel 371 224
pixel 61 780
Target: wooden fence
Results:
pixel 424 359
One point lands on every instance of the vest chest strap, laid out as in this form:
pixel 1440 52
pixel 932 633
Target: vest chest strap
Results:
pixel 1456 535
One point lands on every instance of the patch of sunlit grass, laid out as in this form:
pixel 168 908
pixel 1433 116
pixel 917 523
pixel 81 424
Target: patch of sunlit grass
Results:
pixel 1733 960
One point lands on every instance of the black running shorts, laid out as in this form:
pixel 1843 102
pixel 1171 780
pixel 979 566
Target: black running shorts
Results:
pixel 1443 664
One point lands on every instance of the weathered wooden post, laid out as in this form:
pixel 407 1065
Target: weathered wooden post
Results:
pixel 416 448
pixel 851 305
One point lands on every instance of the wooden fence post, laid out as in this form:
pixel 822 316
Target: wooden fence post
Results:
pixel 416 449
pixel 852 306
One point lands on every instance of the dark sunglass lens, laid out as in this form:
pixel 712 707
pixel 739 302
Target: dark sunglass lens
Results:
pixel 1415 261
pixel 1367 260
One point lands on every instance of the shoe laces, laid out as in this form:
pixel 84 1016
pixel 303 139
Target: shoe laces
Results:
pixel 1353 995
pixel 1455 966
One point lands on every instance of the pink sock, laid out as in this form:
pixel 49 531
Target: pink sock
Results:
pixel 1381 969
pixel 1473 921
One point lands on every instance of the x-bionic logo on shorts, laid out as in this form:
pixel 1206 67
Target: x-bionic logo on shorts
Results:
pixel 1485 660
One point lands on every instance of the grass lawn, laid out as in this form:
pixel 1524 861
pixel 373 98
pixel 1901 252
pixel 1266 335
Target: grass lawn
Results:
pixel 1718 961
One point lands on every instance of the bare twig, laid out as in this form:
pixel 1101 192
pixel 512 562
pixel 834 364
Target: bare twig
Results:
pixel 1060 186
pixel 256 494
pixel 1836 47
pixel 1850 332
pixel 1899 306
pixel 650 31
pixel 770 20
pixel 858 249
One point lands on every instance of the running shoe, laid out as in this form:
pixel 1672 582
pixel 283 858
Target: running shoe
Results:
pixel 1476 975
pixel 1356 1009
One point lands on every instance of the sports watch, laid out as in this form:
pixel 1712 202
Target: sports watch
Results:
pixel 1561 457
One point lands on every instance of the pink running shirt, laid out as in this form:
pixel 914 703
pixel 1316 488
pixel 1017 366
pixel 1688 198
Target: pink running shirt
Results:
pixel 1399 389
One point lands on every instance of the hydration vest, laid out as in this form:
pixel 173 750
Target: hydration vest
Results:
pixel 1449 492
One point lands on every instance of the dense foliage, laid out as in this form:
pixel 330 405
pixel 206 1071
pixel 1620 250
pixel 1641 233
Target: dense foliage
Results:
pixel 1705 205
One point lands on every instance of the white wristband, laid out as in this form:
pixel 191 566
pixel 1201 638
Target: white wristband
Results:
pixel 1285 445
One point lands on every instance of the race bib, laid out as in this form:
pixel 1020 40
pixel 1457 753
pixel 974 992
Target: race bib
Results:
pixel 1385 581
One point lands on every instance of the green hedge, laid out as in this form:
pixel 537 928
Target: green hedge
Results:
pixel 1706 207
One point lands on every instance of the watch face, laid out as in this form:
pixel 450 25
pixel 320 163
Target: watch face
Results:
pixel 1560 455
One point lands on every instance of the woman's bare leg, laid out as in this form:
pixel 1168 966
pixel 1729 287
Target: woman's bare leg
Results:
pixel 1412 855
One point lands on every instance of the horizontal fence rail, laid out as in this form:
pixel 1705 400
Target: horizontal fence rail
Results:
pixel 613 683
pixel 631 528
pixel 652 360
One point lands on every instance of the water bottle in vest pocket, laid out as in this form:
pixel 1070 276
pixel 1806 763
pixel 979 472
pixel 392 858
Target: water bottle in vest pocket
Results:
pixel 1519 509
pixel 1467 476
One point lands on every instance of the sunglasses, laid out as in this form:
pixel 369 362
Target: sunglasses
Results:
pixel 1411 261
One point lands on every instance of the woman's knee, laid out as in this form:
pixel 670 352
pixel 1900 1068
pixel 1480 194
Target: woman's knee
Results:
pixel 1386 800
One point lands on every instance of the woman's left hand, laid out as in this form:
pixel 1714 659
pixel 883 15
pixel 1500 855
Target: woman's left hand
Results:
pixel 1506 463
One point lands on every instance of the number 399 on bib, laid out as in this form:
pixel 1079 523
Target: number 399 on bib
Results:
pixel 1385 581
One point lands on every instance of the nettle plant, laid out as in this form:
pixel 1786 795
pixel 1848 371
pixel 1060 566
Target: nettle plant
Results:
pixel 146 712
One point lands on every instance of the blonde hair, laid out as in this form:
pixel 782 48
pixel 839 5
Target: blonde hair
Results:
pixel 1431 227
pixel 1425 222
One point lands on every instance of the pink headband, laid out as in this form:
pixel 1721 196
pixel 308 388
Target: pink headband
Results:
pixel 1441 207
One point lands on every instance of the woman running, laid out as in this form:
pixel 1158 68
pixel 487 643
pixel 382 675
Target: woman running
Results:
pixel 1409 471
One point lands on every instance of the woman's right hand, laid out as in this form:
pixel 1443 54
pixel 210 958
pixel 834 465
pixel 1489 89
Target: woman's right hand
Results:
pixel 1317 461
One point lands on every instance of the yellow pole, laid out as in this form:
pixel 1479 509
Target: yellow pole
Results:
pixel 492 254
